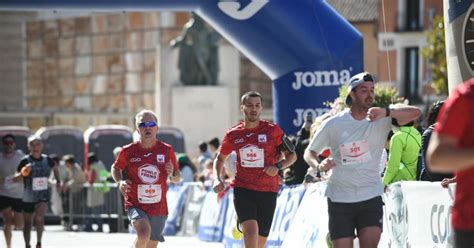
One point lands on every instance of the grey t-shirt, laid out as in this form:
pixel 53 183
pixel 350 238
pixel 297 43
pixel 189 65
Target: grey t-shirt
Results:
pixel 7 171
pixel 356 147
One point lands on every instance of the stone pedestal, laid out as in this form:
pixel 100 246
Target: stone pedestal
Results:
pixel 201 112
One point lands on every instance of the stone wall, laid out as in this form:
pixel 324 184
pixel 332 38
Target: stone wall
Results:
pixel 94 64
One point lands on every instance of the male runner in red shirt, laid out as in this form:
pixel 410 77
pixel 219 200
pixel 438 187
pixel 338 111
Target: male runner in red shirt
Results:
pixel 148 163
pixel 259 146
pixel 451 149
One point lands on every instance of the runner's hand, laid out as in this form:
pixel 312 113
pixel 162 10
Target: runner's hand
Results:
pixel 327 164
pixel 218 186
pixel 271 170
pixel 124 186
pixel 376 113
pixel 446 181
pixel 169 168
pixel 25 171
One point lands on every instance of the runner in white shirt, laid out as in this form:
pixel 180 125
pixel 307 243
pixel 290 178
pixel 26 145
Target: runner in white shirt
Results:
pixel 356 138
pixel 10 192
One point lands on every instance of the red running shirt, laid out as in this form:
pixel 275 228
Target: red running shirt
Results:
pixel 145 168
pixel 456 119
pixel 256 149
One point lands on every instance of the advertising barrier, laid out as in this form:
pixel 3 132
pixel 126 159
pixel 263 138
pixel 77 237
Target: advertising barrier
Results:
pixel 192 209
pixel 288 201
pixel 230 222
pixel 211 221
pixel 310 223
pixel 176 197
pixel 419 214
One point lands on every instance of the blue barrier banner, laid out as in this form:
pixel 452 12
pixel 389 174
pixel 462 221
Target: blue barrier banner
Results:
pixel 310 223
pixel 230 222
pixel 304 46
pixel 288 202
pixel 192 209
pixel 211 221
pixel 176 197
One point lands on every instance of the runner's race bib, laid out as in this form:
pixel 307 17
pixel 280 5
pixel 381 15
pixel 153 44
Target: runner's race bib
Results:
pixel 355 152
pixel 40 183
pixel 149 193
pixel 251 157
pixel 8 182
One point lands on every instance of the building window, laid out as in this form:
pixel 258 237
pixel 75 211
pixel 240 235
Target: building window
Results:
pixel 411 74
pixel 413 15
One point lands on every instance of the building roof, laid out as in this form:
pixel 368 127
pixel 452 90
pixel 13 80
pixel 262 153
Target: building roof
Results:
pixel 358 10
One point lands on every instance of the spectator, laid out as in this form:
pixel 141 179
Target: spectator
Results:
pixel 76 178
pixel 204 155
pixel 426 174
pixel 405 146
pixel 213 146
pixel 188 171
pixel 57 202
pixel 97 178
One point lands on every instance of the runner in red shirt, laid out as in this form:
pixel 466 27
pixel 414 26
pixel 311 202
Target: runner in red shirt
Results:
pixel 147 163
pixel 451 149
pixel 260 146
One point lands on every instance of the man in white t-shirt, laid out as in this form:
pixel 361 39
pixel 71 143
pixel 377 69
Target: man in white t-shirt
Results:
pixel 356 138
pixel 10 192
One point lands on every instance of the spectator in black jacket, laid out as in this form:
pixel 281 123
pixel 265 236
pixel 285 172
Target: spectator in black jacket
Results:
pixel 426 174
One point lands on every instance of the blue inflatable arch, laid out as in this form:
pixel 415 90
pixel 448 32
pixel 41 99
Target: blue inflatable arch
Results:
pixel 304 46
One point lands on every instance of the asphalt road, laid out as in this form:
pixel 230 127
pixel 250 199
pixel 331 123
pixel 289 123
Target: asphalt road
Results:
pixel 55 237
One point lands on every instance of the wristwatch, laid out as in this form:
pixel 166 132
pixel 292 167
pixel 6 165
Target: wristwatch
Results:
pixel 279 165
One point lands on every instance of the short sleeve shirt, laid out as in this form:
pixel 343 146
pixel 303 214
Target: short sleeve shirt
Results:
pixel 456 119
pixel 356 147
pixel 256 148
pixel 8 168
pixel 145 169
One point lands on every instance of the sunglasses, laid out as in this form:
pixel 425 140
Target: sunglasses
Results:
pixel 147 124
pixel 9 142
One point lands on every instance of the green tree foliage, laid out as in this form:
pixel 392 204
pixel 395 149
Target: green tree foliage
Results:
pixel 435 53
pixel 384 96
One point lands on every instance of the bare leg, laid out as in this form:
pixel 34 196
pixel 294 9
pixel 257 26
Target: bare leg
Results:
pixel 39 220
pixel 261 241
pixel 152 244
pixel 343 243
pixel 18 220
pixel 7 229
pixel 250 231
pixel 28 220
pixel 369 236
pixel 143 229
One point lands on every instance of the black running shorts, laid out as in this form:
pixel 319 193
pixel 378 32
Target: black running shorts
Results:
pixel 255 205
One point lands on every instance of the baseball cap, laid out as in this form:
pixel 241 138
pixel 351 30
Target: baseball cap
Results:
pixel 33 138
pixel 355 81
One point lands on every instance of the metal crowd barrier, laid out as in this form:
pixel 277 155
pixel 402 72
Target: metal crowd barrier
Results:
pixel 77 212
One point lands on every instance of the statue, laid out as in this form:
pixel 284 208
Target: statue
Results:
pixel 198 60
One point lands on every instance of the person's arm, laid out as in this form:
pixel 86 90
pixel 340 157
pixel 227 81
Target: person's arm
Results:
pixel 444 156
pixel 318 144
pixel 394 159
pixel 219 161
pixel 403 115
pixel 18 177
pixel 172 168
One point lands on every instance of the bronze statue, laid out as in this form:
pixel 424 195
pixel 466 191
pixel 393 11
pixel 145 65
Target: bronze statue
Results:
pixel 198 60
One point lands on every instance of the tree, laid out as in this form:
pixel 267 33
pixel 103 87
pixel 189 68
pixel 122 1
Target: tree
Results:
pixel 384 96
pixel 435 53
